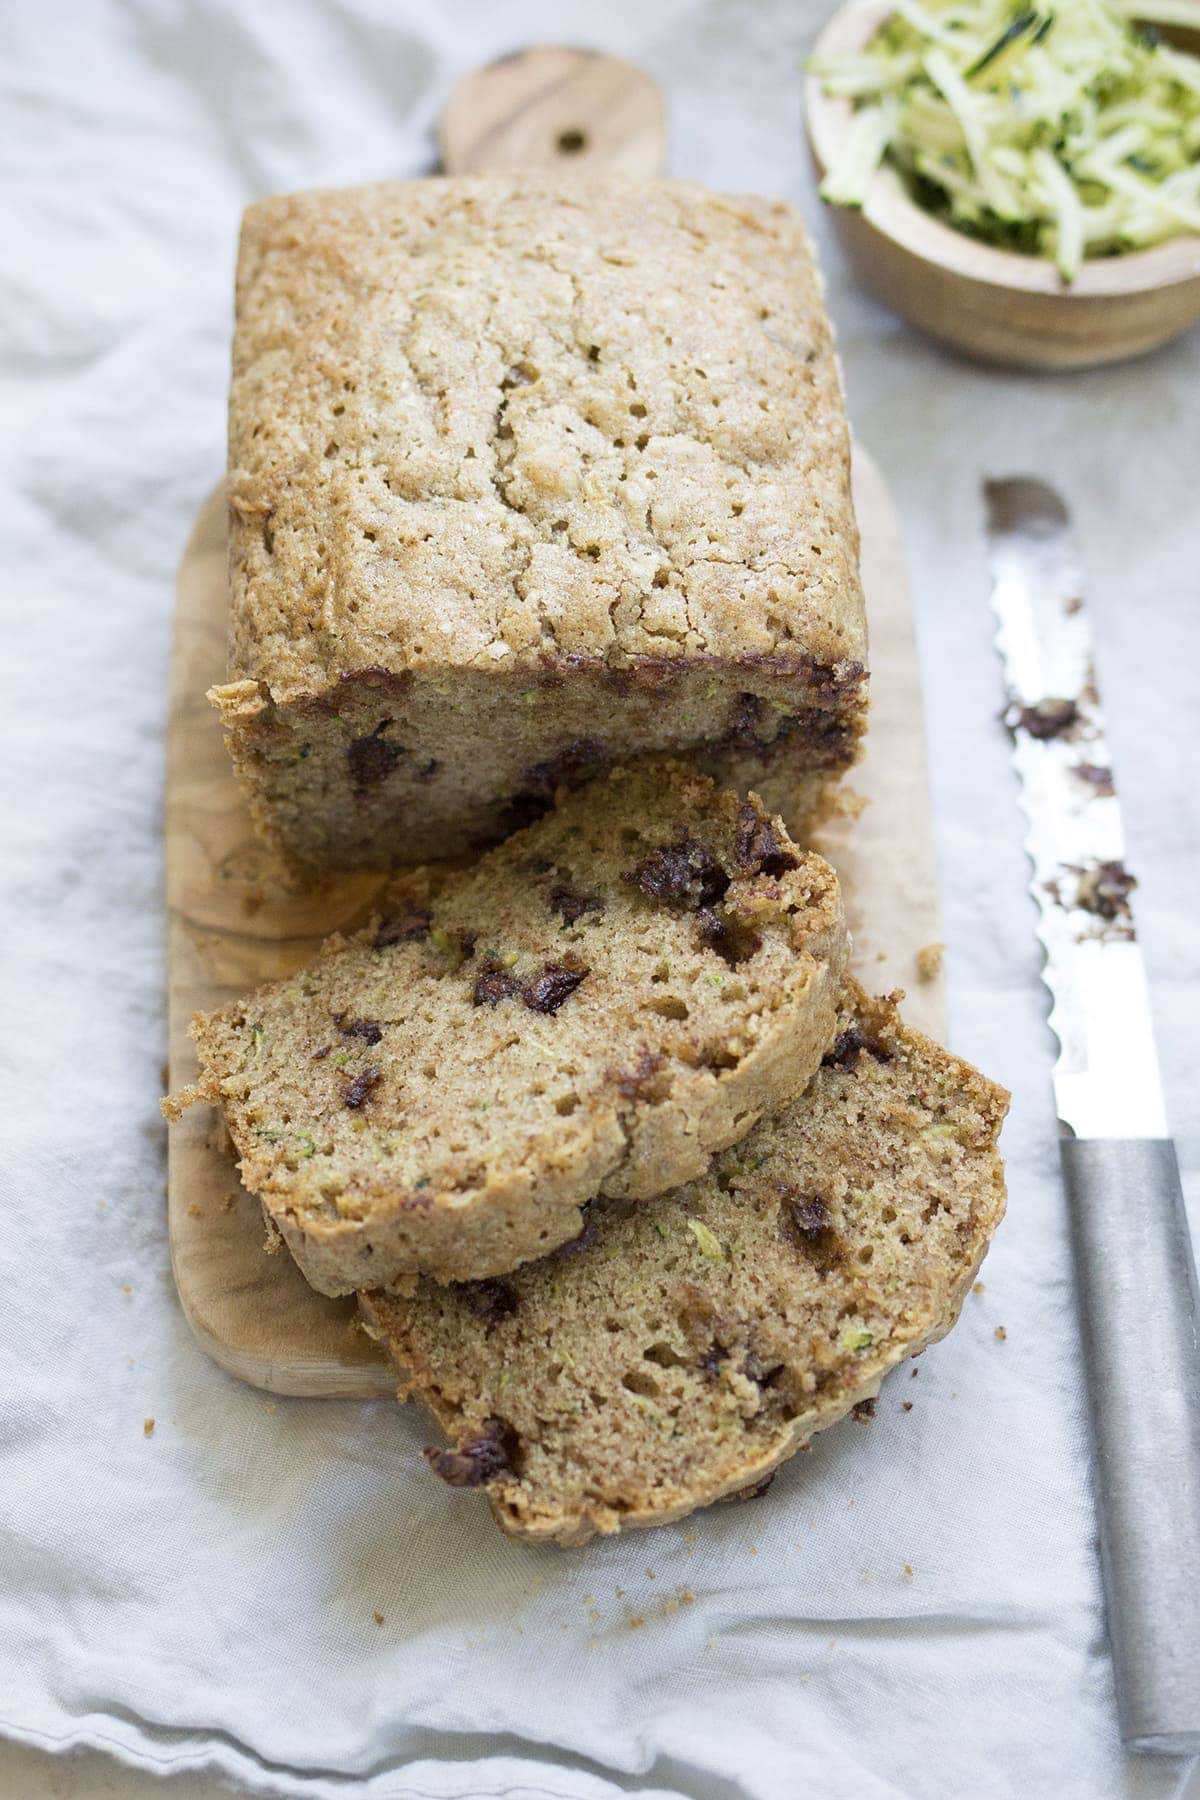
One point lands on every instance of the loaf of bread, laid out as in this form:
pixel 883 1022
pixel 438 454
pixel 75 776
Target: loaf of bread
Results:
pixel 680 1350
pixel 528 477
pixel 597 1006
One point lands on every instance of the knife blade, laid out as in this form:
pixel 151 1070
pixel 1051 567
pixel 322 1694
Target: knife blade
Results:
pixel 1135 1274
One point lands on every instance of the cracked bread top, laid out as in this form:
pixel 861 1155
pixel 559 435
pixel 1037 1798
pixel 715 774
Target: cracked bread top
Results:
pixel 487 420
pixel 598 1005
pixel 689 1345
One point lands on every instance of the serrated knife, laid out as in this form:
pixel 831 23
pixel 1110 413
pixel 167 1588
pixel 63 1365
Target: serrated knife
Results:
pixel 1135 1273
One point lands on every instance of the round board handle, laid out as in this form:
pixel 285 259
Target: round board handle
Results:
pixel 553 108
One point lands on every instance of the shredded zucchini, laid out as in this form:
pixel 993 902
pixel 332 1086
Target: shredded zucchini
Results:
pixel 1063 129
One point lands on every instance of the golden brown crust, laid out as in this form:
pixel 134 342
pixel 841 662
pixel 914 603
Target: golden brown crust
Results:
pixel 564 445
pixel 597 1006
pixel 701 1339
pixel 497 417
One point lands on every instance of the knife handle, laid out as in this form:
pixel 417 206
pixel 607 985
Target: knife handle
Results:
pixel 1140 1319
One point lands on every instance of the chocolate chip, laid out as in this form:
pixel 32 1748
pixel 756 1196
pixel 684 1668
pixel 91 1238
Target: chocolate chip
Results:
pixel 322 1053
pixel 809 1216
pixel 1047 718
pixel 847 1048
pixel 369 1030
pixel 1105 890
pixel 402 927
pixel 764 1375
pixel 864 1412
pixel 570 766
pixel 639 1083
pixel 373 758
pixel 490 1300
pixel 747 710
pixel 714 1356
pixel 360 1089
pixel 583 1240
pixel 556 983
pixel 572 904
pixel 493 984
pixel 759 847
pixel 1095 776
pixel 730 937
pixel 493 1451
pixel 806 1221
pixel 685 873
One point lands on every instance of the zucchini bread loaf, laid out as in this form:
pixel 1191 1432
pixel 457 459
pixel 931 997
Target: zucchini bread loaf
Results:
pixel 526 478
pixel 597 1006
pixel 684 1348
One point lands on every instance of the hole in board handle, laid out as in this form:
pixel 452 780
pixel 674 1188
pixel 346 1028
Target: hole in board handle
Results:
pixel 570 143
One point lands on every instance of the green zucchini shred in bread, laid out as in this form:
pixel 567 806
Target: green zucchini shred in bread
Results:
pixel 680 1350
pixel 528 478
pixel 596 1006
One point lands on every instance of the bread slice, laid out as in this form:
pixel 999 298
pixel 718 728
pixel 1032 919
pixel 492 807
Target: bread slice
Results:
pixel 683 1349
pixel 595 1007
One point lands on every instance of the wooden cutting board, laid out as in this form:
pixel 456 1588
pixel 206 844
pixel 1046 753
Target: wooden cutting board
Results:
pixel 234 923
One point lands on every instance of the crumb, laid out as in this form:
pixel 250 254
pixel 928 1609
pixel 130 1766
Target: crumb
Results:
pixel 915 1373
pixel 147 1427
pixel 1001 1333
pixel 691 1539
pixel 753 1548
pixel 686 1597
pixel 620 1592
pixel 634 1623
pixel 908 1570
pixel 194 1211
pixel 229 1202
pixel 127 1289
pixel 849 805
pixel 863 1412
pixel 104 1206
pixel 379 1618
pixel 929 961
pixel 979 1288
pixel 881 956
pixel 907 1405
pixel 649 1574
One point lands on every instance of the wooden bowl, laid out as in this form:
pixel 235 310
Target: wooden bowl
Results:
pixel 995 304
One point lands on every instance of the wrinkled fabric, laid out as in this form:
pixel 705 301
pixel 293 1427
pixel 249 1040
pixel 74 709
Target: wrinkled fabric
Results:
pixel 914 1609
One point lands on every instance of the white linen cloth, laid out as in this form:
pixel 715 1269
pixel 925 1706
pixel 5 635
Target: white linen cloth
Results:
pixel 914 1610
